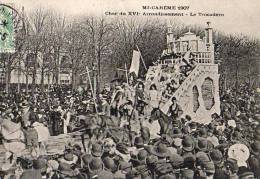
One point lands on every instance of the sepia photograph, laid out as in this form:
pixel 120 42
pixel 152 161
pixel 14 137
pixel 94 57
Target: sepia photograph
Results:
pixel 140 89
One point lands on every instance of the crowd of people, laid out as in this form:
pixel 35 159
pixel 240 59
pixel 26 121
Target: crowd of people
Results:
pixel 134 139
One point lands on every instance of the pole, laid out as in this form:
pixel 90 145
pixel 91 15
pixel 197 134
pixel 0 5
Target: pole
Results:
pixel 48 88
pixel 19 76
pixel 91 88
pixel 141 58
pixel 126 74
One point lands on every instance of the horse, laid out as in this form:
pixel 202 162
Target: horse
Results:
pixel 164 120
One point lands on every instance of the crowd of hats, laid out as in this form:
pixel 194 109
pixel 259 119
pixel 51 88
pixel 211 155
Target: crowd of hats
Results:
pixel 228 147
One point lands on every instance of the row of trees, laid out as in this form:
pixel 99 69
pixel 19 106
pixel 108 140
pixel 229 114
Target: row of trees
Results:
pixel 108 43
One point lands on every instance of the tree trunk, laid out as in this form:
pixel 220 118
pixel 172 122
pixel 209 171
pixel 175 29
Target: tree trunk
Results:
pixel 98 72
pixel 57 67
pixel 42 79
pixel 27 82
pixel 7 84
pixel 237 73
pixel 249 73
pixel 34 73
pixel 73 80
pixel 236 83
pixel 33 80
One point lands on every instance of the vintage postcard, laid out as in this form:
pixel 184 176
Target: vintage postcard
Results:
pixel 137 89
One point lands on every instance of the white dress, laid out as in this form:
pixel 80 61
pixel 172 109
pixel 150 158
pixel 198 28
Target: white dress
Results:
pixel 154 98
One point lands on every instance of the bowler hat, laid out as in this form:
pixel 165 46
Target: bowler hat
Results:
pixel 97 150
pixel 95 166
pixel 160 151
pixel 176 160
pixel 176 132
pixel 69 158
pixel 202 157
pixel 202 144
pixel 216 156
pixel 65 169
pixel 40 164
pixel 139 142
pixel 193 125
pixel 208 167
pixel 109 164
pixel 189 159
pixel 255 147
pixel 232 165
pixel 142 155
pixel 87 159
pixel 187 144
pixel 203 132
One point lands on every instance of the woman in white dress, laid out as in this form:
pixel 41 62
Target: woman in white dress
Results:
pixel 154 97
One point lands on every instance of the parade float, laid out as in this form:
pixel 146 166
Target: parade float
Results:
pixel 198 91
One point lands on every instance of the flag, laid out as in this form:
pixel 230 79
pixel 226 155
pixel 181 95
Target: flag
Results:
pixel 135 62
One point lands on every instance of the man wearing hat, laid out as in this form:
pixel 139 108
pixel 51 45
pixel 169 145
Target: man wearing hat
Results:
pixel 109 165
pixel 254 159
pixel 105 107
pixel 211 137
pixel 123 169
pixel 176 161
pixel 55 120
pixel 69 158
pixel 175 110
pixel 139 158
pixel 28 116
pixel 205 166
pixel 138 145
pixel 232 168
pixel 161 152
pixel 133 174
pixel 187 145
pixel 96 150
pixel 140 164
pixel 202 145
pixel 96 170
pixel 66 171
pixel 217 158
pixel 38 170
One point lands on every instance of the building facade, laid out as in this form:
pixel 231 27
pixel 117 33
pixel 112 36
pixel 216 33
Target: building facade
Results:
pixel 22 70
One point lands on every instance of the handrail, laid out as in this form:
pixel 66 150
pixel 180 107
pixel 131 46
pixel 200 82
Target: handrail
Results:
pixel 200 68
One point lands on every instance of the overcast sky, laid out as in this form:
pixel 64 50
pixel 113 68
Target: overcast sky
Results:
pixel 241 16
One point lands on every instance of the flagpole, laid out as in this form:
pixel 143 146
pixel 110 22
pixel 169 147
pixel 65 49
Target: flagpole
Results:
pixel 91 88
pixel 126 74
pixel 141 57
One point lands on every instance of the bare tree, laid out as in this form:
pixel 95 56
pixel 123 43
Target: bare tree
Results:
pixel 76 46
pixel 101 36
pixel 36 38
